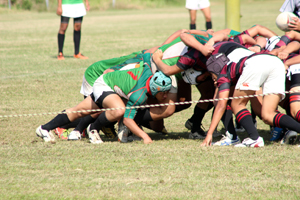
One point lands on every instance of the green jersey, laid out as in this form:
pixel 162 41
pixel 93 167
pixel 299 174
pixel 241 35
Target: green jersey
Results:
pixel 176 48
pixel 132 85
pixel 71 1
pixel 96 69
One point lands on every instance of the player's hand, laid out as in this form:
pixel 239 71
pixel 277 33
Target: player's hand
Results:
pixel 295 25
pixel 207 141
pixel 255 49
pixel 208 49
pixel 148 141
pixel 87 6
pixel 185 31
pixel 59 11
pixel 158 55
pixel 283 55
pixel 210 31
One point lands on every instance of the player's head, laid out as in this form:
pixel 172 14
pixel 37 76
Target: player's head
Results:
pixel 160 83
pixel 216 62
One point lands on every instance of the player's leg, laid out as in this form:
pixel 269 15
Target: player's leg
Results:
pixel 77 37
pixel 207 15
pixel 206 89
pixel 193 16
pixel 71 114
pixel 64 21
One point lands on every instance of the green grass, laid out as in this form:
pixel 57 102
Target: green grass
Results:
pixel 32 80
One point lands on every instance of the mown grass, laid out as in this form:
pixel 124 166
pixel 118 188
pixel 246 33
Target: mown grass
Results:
pixel 32 80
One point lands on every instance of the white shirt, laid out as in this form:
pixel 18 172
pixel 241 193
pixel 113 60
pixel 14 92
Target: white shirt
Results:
pixel 291 6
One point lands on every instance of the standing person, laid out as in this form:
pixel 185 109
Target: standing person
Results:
pixel 204 6
pixel 71 9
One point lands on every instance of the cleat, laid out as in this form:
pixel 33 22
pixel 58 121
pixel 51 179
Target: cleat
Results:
pixel 122 132
pixel 109 131
pixel 199 134
pixel 65 134
pixel 248 142
pixel 80 56
pixel 289 137
pixel 277 134
pixel 58 131
pixel 74 135
pixel 94 136
pixel 227 140
pixel 84 134
pixel 46 135
pixel 188 124
pixel 60 56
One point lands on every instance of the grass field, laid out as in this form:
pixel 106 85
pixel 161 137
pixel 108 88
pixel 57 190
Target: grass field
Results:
pixel 33 81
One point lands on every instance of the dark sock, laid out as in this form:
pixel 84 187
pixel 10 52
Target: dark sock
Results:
pixel 58 121
pixel 284 121
pixel 72 124
pixel 84 122
pixel 60 39
pixel 192 26
pixel 227 120
pixel 208 25
pixel 197 119
pixel 100 121
pixel 253 115
pixel 244 118
pixel 76 38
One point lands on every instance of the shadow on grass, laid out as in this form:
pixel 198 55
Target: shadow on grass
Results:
pixel 185 135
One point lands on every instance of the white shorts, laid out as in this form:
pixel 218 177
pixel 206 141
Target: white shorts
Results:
pixel 197 4
pixel 86 89
pixel 293 69
pixel 99 87
pixel 264 71
pixel 239 53
pixel 73 10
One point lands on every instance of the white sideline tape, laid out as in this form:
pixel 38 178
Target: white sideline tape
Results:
pixel 144 106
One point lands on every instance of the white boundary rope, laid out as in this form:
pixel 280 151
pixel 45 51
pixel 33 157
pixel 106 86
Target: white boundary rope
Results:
pixel 143 106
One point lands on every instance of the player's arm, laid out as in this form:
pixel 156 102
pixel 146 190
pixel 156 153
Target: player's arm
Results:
pixel 248 39
pixel 135 129
pixel 87 5
pixel 217 115
pixel 260 44
pixel 260 30
pixel 290 48
pixel 191 41
pixel 292 61
pixel 217 38
pixel 59 8
pixel 166 69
